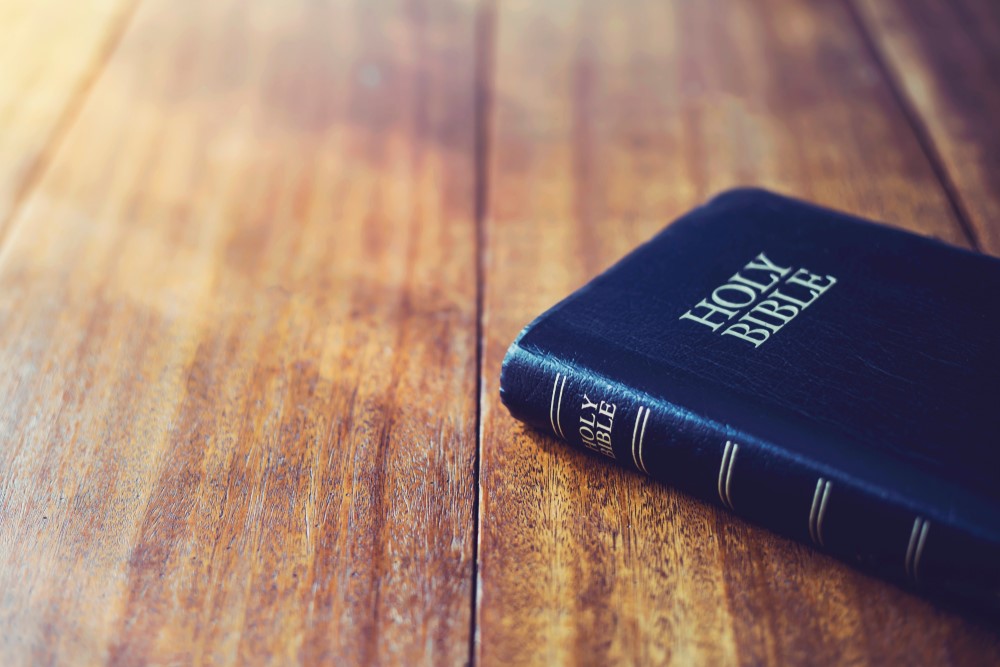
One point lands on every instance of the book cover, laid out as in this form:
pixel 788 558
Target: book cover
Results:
pixel 833 379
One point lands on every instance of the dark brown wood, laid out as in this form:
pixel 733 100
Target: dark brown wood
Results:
pixel 945 58
pixel 609 120
pixel 237 334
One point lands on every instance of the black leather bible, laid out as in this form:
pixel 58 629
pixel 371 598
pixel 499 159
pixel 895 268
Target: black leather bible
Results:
pixel 833 379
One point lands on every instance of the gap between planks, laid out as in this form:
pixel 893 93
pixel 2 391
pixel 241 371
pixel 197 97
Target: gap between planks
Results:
pixel 117 26
pixel 916 122
pixel 485 50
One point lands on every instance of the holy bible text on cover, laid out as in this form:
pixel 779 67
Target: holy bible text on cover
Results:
pixel 835 380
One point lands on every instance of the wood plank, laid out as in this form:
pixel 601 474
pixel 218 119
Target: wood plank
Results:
pixel 946 58
pixel 608 121
pixel 237 324
pixel 50 54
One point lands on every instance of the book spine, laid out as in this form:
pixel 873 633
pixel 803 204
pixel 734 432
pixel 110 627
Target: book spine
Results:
pixel 753 478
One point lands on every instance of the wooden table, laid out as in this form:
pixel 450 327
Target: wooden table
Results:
pixel 259 263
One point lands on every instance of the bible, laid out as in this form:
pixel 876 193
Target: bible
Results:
pixel 829 378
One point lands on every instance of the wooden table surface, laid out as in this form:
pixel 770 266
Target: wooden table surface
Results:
pixel 259 264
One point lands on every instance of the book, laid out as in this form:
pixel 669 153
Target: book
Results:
pixel 827 377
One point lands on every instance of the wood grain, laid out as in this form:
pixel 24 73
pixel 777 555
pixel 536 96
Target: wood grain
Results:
pixel 50 54
pixel 946 58
pixel 237 334
pixel 608 121
pixel 252 252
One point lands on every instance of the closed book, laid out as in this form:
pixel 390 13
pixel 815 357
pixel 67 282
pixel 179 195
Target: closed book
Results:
pixel 832 379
